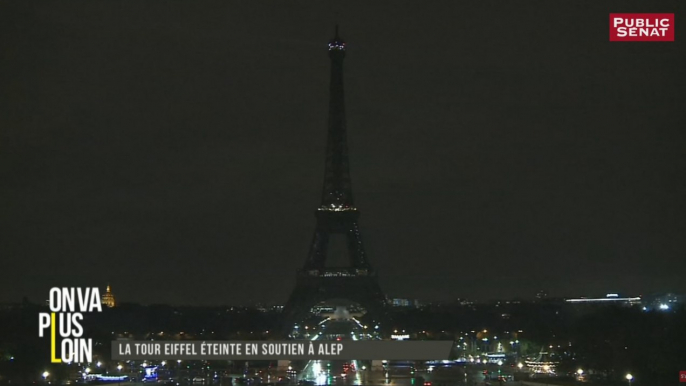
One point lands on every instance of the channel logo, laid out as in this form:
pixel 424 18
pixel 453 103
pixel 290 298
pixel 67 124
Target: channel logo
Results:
pixel 67 306
pixel 641 27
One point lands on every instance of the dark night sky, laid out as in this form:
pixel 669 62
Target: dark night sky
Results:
pixel 176 149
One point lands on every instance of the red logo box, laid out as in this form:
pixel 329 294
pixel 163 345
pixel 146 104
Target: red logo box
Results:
pixel 641 27
pixel 682 376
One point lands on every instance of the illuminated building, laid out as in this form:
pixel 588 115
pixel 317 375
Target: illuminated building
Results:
pixel 543 364
pixel 663 302
pixel 404 303
pixel 608 299
pixel 401 302
pixel 108 298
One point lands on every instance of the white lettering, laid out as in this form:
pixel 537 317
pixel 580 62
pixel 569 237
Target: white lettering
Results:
pixel 68 300
pixel 95 300
pixel 77 331
pixel 55 299
pixel 43 323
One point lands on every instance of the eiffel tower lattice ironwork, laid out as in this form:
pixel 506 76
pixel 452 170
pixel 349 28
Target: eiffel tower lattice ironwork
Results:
pixel 337 215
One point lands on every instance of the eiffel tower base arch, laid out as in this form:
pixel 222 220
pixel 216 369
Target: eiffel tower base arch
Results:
pixel 311 290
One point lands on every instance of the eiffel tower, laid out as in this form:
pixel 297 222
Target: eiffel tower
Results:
pixel 337 216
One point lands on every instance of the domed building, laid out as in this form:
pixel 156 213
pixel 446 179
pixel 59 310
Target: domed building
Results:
pixel 108 298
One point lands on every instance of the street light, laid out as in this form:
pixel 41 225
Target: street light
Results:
pixel 580 371
pixel 45 374
pixel 119 367
pixel 520 365
pixel 629 378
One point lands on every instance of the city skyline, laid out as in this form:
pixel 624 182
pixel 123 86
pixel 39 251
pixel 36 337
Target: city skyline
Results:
pixel 181 160
pixel 108 297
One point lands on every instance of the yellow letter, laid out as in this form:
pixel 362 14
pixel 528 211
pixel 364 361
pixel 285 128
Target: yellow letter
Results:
pixel 52 344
